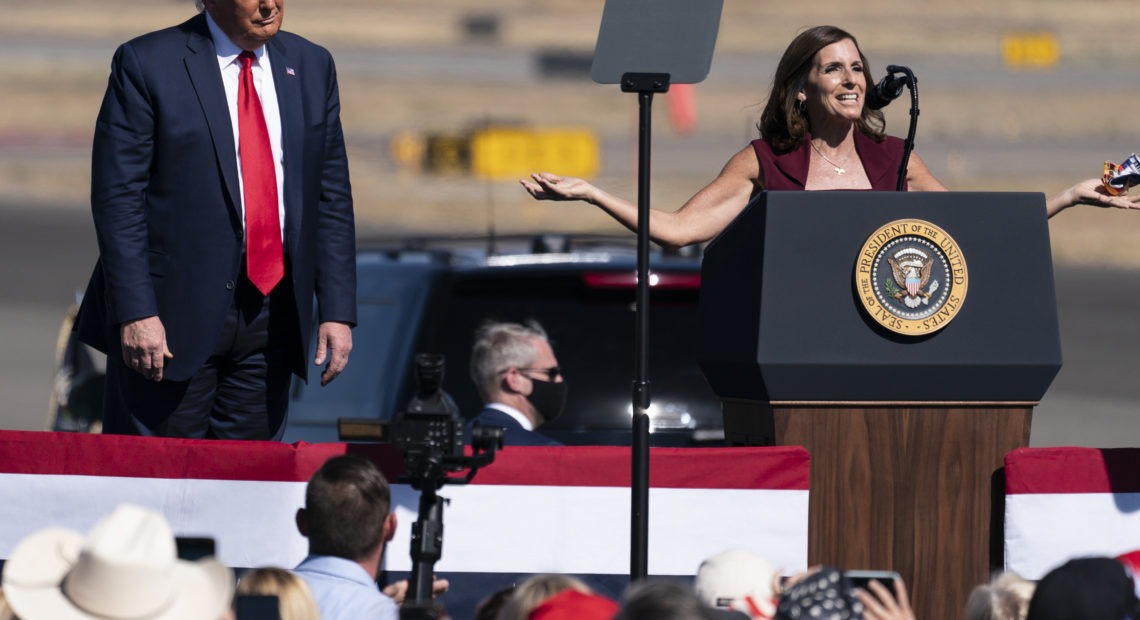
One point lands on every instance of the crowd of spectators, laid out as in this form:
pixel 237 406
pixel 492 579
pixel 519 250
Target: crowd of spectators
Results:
pixel 127 567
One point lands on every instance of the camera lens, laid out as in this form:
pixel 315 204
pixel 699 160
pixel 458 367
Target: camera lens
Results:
pixel 485 438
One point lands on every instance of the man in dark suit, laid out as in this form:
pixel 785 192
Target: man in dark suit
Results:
pixel 222 206
pixel 517 376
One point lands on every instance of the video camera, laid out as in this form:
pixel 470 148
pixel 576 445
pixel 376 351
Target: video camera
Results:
pixel 429 432
pixel 431 423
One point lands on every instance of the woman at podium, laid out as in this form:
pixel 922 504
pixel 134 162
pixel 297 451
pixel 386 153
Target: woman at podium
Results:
pixel 816 133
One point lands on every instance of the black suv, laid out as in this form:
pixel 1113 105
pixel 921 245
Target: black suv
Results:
pixel 429 296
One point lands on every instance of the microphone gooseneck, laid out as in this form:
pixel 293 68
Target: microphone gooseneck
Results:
pixel 887 90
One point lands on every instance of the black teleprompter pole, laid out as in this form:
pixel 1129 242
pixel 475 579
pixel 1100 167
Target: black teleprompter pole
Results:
pixel 645 45
pixel 645 85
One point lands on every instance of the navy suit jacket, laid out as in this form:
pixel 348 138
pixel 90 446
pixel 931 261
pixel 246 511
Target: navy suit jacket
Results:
pixel 166 203
pixel 515 434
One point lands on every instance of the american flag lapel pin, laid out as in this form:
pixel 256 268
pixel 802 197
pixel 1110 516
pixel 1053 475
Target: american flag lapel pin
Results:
pixel 290 71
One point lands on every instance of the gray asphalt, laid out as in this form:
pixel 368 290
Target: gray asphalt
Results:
pixel 46 254
pixel 47 250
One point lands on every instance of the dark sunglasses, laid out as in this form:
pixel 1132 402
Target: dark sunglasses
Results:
pixel 551 373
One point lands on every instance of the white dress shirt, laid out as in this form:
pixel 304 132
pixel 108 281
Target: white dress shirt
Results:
pixel 228 62
pixel 518 416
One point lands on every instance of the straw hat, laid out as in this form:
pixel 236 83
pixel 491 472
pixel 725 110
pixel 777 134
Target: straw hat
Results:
pixel 126 567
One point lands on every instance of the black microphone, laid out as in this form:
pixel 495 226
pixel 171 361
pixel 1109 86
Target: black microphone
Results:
pixel 889 88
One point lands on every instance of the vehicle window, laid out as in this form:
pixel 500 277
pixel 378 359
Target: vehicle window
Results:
pixel 593 331
pixel 391 299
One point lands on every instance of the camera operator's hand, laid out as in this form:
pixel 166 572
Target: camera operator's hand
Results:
pixel 398 591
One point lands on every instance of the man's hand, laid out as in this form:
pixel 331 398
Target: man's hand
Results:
pixel 334 343
pixel 398 591
pixel 144 346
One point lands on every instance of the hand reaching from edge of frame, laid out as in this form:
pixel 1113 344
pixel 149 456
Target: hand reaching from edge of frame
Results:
pixel 880 604
pixel 1091 192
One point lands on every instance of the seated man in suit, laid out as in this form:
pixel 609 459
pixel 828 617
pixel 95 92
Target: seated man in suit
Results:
pixel 517 375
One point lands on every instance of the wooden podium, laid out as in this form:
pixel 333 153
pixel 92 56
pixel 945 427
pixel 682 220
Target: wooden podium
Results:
pixel 906 431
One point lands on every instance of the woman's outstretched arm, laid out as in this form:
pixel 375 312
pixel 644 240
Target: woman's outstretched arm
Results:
pixel 700 219
pixel 1089 192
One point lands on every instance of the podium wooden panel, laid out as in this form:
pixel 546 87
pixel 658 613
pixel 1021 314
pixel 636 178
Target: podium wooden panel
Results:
pixel 903 486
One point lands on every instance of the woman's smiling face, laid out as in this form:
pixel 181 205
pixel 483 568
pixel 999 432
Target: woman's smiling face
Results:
pixel 836 84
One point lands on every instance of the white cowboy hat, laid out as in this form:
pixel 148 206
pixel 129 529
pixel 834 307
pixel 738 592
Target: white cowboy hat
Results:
pixel 737 579
pixel 126 567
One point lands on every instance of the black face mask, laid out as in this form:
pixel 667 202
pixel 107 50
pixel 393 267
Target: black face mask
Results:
pixel 548 398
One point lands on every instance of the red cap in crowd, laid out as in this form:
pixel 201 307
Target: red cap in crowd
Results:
pixel 575 605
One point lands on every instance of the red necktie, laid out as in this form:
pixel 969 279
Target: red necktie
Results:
pixel 265 264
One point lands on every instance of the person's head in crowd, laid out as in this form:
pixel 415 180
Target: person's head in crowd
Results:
pixel 1004 597
pixel 737 579
pixel 533 590
pixel 824 594
pixel 489 607
pixel 347 511
pixel 789 113
pixel 514 364
pixel 431 610
pixel 573 604
pixel 1090 588
pixel 294 600
pixel 663 600
pixel 126 567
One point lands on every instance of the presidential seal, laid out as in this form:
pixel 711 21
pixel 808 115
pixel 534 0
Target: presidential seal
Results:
pixel 911 277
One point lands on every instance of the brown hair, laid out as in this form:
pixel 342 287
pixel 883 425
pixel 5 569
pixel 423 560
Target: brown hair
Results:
pixel 783 123
pixel 346 503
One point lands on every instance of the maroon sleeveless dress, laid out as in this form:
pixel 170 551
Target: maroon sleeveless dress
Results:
pixel 788 171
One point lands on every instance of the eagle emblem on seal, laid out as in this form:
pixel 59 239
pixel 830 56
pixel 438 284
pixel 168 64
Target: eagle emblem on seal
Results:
pixel 912 283
pixel 910 277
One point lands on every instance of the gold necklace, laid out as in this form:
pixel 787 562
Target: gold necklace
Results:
pixel 838 169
